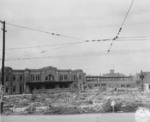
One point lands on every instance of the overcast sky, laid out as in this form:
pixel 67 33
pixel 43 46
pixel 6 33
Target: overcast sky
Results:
pixel 77 21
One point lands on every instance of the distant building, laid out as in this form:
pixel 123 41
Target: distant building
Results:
pixel 111 80
pixel 146 80
pixel 113 74
pixel 17 81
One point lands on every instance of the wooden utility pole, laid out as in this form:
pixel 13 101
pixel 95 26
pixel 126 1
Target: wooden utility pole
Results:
pixel 3 65
pixel 142 77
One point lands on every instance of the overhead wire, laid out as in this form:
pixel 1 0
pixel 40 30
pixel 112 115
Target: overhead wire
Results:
pixel 135 37
pixel 41 46
pixel 120 29
pixel 33 29
pixel 135 40
pixel 122 38
pixel 46 32
pixel 69 45
pixel 81 54
pixel 54 45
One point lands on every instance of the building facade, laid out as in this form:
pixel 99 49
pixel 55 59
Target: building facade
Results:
pixel 47 78
pixel 111 80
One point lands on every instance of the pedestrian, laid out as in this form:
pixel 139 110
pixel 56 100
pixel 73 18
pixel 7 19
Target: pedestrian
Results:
pixel 113 105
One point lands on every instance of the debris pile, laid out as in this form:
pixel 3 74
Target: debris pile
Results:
pixel 90 101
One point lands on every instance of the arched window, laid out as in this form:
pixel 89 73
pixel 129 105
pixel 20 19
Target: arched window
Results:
pixel 49 78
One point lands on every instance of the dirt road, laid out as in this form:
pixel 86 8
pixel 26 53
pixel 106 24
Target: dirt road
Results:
pixel 109 117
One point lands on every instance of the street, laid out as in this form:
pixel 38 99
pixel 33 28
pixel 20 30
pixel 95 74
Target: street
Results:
pixel 109 117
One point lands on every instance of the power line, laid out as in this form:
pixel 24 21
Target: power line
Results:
pixel 93 40
pixel 127 14
pixel 130 39
pixel 120 29
pixel 33 29
pixel 53 45
pixel 46 32
pixel 82 54
pixel 63 47
pixel 76 43
pixel 40 46
pixel 134 38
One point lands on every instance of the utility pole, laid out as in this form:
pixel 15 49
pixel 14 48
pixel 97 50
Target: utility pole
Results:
pixel 3 65
pixel 142 77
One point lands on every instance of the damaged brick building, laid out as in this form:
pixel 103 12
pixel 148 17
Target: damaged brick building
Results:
pixel 18 81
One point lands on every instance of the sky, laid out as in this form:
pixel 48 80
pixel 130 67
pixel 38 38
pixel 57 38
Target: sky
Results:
pixel 77 21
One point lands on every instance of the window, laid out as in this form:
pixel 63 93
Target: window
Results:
pixel 46 78
pixel 65 77
pixel 149 86
pixel 6 90
pixel 122 85
pixel 7 78
pixel 74 77
pixel 49 77
pixel 37 77
pixel 60 77
pixel 21 78
pixel 80 77
pixel 32 77
pixel 14 88
pixel 14 77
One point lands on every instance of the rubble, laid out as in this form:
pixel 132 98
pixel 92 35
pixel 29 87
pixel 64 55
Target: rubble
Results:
pixel 90 101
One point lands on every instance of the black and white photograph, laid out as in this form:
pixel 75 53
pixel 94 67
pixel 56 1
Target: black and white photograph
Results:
pixel 74 61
